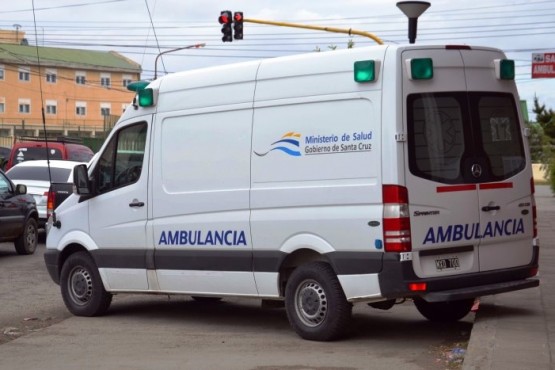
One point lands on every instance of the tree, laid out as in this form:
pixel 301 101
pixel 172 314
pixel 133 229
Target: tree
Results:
pixel 540 148
pixel 350 45
pixel 545 117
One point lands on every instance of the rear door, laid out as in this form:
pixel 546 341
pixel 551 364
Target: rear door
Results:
pixel 469 192
pixel 505 194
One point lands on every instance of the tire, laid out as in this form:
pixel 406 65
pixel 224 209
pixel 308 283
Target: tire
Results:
pixel 27 242
pixel 315 303
pixel 444 311
pixel 82 288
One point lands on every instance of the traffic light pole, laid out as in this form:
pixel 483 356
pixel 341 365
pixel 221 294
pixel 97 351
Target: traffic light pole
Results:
pixel 348 31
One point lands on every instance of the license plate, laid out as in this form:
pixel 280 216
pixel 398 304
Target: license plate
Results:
pixel 447 263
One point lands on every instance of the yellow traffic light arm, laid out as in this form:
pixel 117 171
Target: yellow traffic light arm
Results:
pixel 318 28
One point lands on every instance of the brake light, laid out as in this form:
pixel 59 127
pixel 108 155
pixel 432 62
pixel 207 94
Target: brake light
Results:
pixel 418 287
pixel 457 47
pixel 396 219
pixel 534 210
pixel 51 196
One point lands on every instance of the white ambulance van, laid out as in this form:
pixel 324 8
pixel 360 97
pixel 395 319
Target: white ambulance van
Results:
pixel 369 175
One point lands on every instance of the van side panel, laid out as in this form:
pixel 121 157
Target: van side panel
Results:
pixel 200 196
pixel 316 167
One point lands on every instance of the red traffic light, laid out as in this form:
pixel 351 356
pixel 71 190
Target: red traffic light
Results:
pixel 238 17
pixel 225 17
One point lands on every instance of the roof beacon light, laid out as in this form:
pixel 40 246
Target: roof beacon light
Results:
pixel 137 85
pixel 365 71
pixel 420 68
pixel 146 97
pixel 504 69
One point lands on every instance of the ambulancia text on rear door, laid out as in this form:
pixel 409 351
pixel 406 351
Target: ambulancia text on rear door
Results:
pixel 470 191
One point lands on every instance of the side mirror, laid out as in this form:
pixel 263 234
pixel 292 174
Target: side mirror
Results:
pixel 81 180
pixel 20 189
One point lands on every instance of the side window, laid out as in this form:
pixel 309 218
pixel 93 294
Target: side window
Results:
pixel 5 186
pixel 121 163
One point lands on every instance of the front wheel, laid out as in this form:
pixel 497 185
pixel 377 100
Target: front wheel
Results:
pixel 27 242
pixel 444 311
pixel 82 288
pixel 315 303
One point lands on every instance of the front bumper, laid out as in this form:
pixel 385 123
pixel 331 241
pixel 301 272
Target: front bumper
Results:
pixel 51 259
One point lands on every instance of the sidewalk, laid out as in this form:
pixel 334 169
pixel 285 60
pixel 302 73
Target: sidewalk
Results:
pixel 517 330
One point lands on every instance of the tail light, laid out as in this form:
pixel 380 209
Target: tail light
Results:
pixel 50 203
pixel 534 210
pixel 396 219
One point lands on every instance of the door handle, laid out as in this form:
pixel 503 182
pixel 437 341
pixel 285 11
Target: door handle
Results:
pixel 490 208
pixel 136 203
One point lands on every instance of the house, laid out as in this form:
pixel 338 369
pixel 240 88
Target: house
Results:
pixel 82 91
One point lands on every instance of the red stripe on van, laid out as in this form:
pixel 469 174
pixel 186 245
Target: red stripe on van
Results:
pixel 448 189
pixel 497 185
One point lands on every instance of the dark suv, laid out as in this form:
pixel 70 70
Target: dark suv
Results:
pixel 18 216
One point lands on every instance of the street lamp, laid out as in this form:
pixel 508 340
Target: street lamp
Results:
pixel 170 51
pixel 17 27
pixel 413 10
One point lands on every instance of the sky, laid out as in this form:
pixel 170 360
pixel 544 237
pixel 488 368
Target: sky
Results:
pixel 141 29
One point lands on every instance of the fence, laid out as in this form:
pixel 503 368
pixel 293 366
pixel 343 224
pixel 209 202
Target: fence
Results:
pixel 93 137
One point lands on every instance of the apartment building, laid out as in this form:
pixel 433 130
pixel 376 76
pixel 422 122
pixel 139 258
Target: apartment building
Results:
pixel 82 92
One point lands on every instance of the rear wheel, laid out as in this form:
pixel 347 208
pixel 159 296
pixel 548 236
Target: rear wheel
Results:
pixel 444 311
pixel 315 303
pixel 82 288
pixel 26 243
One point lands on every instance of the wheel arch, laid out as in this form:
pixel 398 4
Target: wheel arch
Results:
pixel 301 249
pixel 71 243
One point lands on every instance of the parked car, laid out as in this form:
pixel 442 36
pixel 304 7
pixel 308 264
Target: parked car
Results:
pixel 59 148
pixel 34 174
pixel 4 155
pixel 18 216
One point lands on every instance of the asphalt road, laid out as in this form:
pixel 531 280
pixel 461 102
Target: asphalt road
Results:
pixel 148 332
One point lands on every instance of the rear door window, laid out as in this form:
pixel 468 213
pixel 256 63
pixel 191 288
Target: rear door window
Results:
pixel 500 134
pixel 437 141
pixel 449 133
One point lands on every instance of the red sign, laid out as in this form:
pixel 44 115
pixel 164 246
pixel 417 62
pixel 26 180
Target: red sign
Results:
pixel 543 65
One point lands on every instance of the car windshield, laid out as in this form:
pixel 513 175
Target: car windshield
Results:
pixel 38 173
pixel 79 156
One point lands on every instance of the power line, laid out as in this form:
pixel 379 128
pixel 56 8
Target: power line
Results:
pixel 62 6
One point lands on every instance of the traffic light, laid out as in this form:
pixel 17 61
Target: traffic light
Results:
pixel 226 20
pixel 238 25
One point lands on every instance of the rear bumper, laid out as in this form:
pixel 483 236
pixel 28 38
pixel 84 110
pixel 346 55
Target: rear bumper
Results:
pixel 396 276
